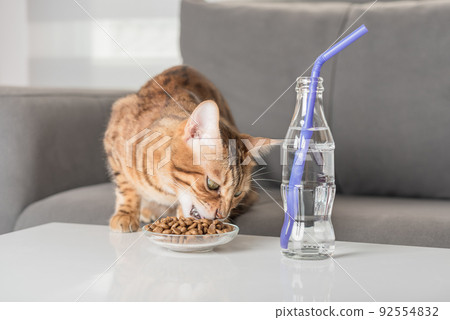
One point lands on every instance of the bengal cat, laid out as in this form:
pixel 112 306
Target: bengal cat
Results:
pixel 152 144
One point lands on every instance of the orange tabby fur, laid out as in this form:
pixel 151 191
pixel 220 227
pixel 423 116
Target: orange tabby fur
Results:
pixel 170 189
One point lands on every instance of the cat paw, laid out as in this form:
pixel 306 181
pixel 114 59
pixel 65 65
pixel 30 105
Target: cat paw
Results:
pixel 122 222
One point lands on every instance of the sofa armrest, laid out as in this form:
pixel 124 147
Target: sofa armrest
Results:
pixel 50 141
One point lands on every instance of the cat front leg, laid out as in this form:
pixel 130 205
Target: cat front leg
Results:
pixel 126 216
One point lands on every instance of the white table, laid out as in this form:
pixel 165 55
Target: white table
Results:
pixel 58 262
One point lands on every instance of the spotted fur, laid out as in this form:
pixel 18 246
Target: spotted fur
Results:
pixel 165 106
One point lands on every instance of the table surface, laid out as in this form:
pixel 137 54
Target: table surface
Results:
pixel 69 262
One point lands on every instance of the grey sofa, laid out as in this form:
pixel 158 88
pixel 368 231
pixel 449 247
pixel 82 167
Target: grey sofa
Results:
pixel 387 101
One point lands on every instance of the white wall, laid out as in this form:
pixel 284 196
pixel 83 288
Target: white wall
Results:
pixel 68 49
pixel 13 43
pixel 53 43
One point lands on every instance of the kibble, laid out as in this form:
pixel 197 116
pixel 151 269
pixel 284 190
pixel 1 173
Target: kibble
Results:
pixel 188 226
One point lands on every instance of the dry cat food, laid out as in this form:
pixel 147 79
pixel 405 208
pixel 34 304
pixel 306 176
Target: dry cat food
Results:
pixel 188 226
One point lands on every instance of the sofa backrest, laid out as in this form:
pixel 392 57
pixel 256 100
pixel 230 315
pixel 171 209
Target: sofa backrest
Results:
pixel 387 98
pixel 254 51
pixel 50 141
pixel 391 102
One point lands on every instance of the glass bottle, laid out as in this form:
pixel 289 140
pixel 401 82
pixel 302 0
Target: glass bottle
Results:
pixel 312 235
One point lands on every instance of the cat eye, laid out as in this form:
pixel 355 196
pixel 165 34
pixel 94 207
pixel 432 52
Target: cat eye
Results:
pixel 237 194
pixel 212 185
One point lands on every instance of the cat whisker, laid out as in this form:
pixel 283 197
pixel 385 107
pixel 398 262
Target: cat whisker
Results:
pixel 267 180
pixel 257 187
pixel 260 174
pixel 259 170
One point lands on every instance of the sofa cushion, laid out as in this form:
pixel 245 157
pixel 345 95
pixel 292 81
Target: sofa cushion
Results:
pixel 90 205
pixel 398 221
pixel 95 205
pixel 401 221
pixel 361 219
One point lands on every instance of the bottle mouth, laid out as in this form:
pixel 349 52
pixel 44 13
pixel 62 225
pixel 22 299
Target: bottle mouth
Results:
pixel 304 82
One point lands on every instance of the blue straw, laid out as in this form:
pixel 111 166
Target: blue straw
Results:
pixel 306 134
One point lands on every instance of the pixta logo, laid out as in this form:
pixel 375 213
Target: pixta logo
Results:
pixel 149 150
pixel 141 149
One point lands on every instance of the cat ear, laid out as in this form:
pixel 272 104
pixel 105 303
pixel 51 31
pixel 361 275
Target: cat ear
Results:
pixel 203 122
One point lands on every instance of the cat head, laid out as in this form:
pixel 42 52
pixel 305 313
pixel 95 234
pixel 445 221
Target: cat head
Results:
pixel 212 163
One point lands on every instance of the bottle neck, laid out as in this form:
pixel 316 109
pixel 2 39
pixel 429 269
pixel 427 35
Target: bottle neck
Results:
pixel 303 94
pixel 303 83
